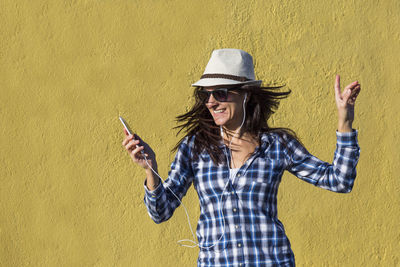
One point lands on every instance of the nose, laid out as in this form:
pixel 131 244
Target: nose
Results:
pixel 211 101
pixel 211 98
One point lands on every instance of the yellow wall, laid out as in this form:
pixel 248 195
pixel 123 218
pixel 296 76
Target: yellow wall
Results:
pixel 71 196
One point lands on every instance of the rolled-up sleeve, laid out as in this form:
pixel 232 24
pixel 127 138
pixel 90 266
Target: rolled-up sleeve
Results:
pixel 337 176
pixel 161 202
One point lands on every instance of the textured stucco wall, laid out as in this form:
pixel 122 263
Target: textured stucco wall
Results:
pixel 71 196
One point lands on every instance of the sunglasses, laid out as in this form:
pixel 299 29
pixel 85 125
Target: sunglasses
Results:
pixel 220 94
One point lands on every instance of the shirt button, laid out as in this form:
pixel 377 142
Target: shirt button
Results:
pixel 239 245
pixel 237 226
pixel 239 175
pixel 232 193
pixel 234 209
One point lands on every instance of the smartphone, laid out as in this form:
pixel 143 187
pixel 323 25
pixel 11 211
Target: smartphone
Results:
pixel 128 129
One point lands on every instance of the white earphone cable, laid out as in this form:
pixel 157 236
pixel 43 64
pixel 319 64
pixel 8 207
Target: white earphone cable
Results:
pixel 219 204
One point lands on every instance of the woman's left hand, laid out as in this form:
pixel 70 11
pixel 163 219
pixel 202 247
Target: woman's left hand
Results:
pixel 345 102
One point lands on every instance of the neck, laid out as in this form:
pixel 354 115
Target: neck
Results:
pixel 233 135
pixel 231 130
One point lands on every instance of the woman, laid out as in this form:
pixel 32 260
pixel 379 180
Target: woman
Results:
pixel 235 162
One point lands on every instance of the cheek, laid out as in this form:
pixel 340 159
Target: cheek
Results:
pixel 236 107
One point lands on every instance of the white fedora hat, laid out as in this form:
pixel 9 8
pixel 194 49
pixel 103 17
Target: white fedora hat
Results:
pixel 228 67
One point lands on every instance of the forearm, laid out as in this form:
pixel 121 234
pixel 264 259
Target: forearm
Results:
pixel 338 176
pixel 152 179
pixel 155 198
pixel 159 204
pixel 163 197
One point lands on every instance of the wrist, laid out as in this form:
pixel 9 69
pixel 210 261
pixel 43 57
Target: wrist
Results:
pixel 152 186
pixel 345 127
pixel 152 179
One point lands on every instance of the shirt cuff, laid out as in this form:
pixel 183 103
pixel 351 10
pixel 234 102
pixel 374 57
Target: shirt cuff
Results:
pixel 153 194
pixel 347 138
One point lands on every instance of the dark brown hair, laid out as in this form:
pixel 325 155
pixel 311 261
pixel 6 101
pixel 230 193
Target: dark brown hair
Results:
pixel 198 121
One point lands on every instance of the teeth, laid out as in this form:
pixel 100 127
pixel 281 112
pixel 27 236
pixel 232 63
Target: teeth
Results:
pixel 219 111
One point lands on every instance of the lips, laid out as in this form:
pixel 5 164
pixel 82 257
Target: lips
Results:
pixel 219 115
pixel 218 111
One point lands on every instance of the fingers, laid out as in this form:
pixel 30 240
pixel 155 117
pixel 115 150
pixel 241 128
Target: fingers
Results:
pixel 127 139
pixel 349 92
pixel 337 86
pixel 354 94
pixel 133 134
pixel 351 86
pixel 351 95
pixel 132 144
pixel 137 152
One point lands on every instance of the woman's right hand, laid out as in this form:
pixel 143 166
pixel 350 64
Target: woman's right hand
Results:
pixel 135 152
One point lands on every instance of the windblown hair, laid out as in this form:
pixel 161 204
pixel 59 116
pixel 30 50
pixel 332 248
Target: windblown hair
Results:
pixel 198 122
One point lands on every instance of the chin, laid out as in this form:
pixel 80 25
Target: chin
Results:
pixel 220 123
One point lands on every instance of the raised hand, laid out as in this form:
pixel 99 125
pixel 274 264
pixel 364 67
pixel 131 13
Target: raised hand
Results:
pixel 345 102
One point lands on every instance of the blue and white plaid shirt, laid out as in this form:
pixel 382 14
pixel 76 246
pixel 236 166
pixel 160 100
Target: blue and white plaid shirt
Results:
pixel 254 236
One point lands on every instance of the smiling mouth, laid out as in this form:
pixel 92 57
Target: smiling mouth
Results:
pixel 218 111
